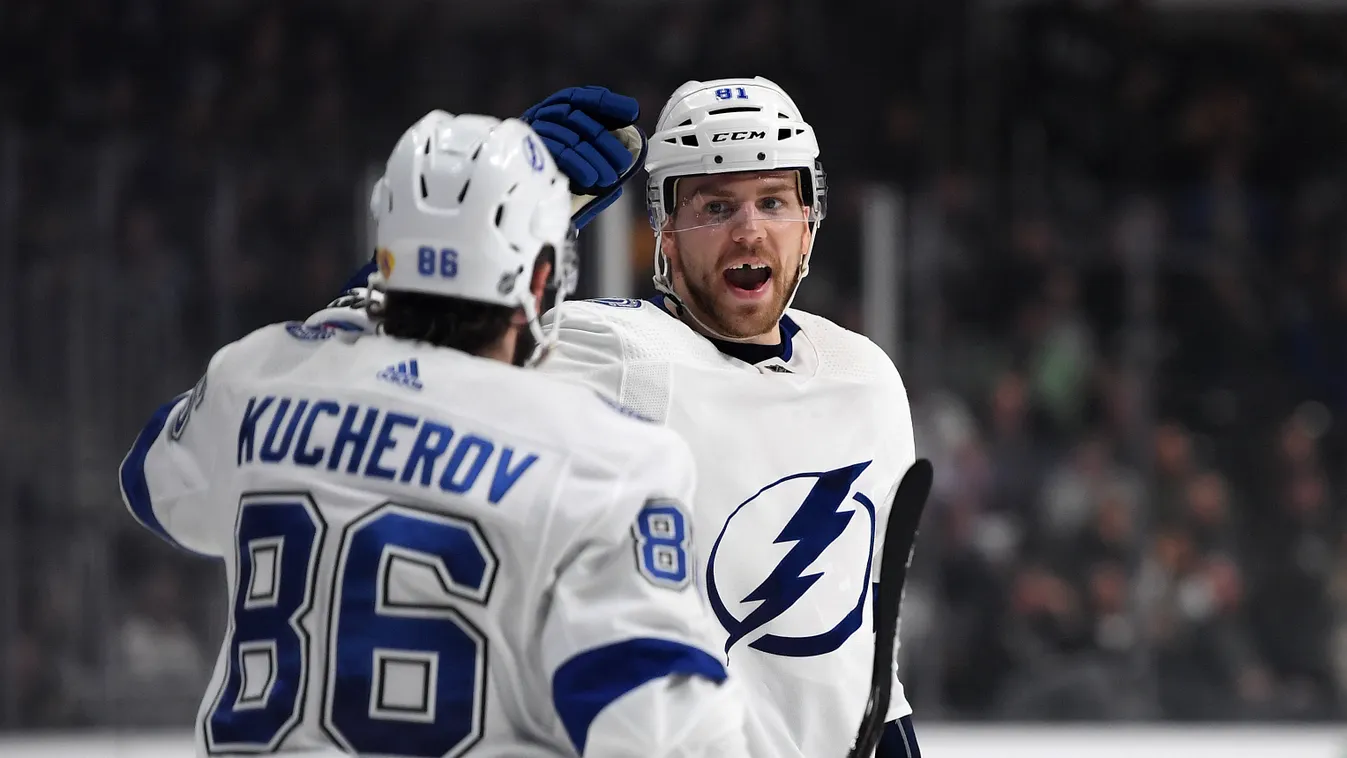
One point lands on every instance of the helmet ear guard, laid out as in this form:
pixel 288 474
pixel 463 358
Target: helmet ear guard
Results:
pixel 819 186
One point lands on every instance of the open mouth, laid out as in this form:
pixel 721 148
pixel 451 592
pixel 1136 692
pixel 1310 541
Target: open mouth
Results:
pixel 749 277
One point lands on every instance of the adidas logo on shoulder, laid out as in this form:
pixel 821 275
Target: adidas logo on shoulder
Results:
pixel 405 374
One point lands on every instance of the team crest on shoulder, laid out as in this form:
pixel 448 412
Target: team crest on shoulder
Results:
pixel 617 302
pixel 819 528
pixel 302 331
pixel 319 332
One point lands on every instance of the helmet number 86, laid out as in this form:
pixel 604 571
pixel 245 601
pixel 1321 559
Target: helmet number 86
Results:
pixel 442 263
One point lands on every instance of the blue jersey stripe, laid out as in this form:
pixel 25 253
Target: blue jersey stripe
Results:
pixel 587 683
pixel 899 740
pixel 135 487
pixel 788 331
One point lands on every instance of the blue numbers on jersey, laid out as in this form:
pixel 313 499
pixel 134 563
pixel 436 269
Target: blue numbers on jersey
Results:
pixel 661 533
pixel 441 262
pixel 406 673
pixel 279 538
pixel 185 413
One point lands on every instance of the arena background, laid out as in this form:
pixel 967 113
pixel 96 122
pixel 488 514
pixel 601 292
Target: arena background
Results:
pixel 1105 241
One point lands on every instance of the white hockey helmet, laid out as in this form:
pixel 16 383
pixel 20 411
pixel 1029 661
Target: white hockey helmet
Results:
pixel 725 126
pixel 466 205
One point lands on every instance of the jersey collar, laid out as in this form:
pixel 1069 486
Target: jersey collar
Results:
pixel 744 351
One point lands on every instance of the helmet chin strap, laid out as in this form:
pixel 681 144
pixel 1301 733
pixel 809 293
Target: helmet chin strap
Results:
pixel 664 284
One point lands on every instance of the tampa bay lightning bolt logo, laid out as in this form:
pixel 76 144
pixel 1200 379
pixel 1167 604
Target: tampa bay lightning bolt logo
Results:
pixel 535 157
pixel 818 522
pixel 616 302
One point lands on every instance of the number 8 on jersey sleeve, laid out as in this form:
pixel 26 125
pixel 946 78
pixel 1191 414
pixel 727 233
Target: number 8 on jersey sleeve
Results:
pixel 662 544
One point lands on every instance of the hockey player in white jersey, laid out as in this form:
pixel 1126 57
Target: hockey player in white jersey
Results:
pixel 429 551
pixel 801 429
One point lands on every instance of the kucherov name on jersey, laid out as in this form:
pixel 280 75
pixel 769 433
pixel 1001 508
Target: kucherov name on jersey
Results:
pixel 288 425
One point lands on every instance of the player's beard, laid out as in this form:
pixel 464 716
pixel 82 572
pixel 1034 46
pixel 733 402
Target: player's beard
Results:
pixel 739 320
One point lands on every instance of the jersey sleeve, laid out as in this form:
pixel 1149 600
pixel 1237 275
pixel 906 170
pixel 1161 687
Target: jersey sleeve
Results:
pixel 165 476
pixel 631 653
pixel 588 350
pixel 902 428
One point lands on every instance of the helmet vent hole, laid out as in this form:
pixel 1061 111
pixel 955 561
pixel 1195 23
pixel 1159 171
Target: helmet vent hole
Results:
pixel 464 192
pixel 426 149
pixel 500 213
pixel 690 140
pixel 782 115
pixel 390 201
pixel 783 134
pixel 478 150
pixel 686 123
pixel 737 109
pixel 425 193
pixel 512 189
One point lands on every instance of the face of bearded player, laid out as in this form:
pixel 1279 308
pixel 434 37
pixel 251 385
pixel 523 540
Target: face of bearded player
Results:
pixel 734 243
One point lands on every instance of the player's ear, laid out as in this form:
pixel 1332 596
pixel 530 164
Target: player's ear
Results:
pixel 543 297
pixel 542 272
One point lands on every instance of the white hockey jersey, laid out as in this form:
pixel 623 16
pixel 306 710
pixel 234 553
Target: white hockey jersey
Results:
pixel 798 458
pixel 433 554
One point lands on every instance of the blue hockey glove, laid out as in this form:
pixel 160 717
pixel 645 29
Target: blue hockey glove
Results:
pixel 591 134
pixel 361 278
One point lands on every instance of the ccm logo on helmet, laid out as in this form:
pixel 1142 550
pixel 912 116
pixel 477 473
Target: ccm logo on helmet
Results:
pixel 737 136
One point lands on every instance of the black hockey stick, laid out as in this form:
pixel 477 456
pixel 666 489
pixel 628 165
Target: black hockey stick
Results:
pixel 899 536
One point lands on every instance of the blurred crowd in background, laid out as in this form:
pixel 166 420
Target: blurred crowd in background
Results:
pixel 1125 316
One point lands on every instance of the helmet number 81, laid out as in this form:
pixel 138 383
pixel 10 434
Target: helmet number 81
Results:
pixel 432 262
pixel 731 93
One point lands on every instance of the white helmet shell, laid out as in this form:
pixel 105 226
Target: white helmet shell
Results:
pixel 466 205
pixel 730 125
